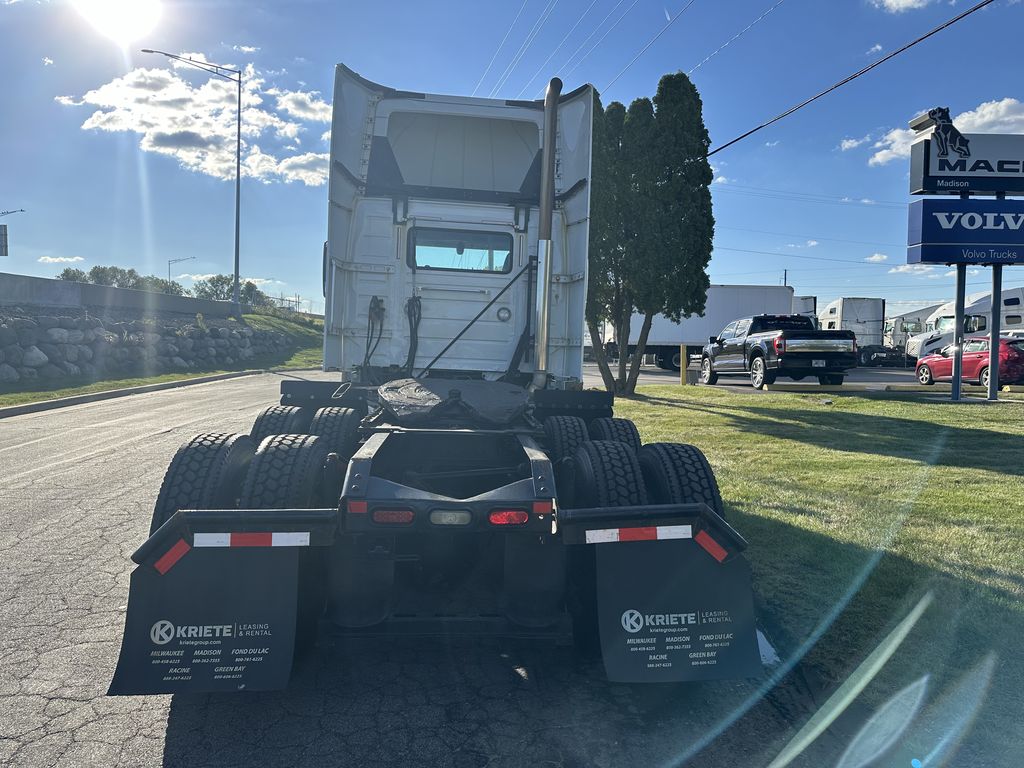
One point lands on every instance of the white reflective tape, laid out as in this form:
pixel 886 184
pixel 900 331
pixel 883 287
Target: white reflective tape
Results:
pixel 675 532
pixel 602 536
pixel 211 540
pixel 290 539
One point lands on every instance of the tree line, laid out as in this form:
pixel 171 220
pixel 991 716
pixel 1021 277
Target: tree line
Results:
pixel 217 287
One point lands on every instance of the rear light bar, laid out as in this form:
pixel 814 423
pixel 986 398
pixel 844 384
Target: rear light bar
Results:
pixel 509 517
pixel 392 516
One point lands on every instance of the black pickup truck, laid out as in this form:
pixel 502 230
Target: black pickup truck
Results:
pixel 767 346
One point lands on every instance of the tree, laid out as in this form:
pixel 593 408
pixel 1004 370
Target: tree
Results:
pixel 651 220
pixel 250 294
pixel 74 275
pixel 217 287
pixel 123 278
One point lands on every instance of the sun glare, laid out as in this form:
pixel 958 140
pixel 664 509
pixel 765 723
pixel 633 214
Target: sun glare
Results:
pixel 123 21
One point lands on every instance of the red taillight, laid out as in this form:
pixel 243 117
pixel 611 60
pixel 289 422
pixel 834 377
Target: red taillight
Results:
pixel 393 516
pixel 779 344
pixel 508 517
pixel 542 507
pixel 356 507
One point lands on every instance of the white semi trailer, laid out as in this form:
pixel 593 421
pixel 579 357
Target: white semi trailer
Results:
pixel 977 316
pixel 724 304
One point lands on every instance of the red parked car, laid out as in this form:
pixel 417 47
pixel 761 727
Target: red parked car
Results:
pixel 939 366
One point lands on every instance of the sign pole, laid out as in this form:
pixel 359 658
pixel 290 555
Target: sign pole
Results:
pixel 993 343
pixel 958 331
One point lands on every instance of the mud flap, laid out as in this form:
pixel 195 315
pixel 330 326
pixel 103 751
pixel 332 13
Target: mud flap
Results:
pixel 674 597
pixel 216 611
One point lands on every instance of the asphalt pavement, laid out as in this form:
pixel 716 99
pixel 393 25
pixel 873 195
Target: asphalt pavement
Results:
pixel 76 491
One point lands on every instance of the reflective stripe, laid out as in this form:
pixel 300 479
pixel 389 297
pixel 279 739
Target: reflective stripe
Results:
pixel 248 539
pixel 639 533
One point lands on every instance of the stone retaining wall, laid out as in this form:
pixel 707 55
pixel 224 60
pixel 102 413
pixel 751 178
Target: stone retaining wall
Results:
pixel 36 345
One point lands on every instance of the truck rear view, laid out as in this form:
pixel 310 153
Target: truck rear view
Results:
pixel 455 477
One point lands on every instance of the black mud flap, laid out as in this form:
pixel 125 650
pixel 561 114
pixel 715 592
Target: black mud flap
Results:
pixel 674 598
pixel 213 603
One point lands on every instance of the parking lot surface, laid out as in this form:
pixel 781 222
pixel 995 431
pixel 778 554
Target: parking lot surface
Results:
pixel 76 492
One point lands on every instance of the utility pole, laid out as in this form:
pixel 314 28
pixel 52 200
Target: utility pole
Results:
pixel 175 261
pixel 785 277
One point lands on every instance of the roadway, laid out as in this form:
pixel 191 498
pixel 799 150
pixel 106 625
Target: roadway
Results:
pixel 872 378
pixel 76 489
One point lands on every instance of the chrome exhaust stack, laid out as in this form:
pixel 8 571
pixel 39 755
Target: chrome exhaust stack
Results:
pixel 544 253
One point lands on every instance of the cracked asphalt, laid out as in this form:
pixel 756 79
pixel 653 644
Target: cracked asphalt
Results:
pixel 76 490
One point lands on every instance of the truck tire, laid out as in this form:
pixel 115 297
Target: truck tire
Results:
pixel 675 473
pixel 281 420
pixel 607 474
pixel 864 359
pixel 675 361
pixel 205 473
pixel 564 434
pixel 760 376
pixel 286 472
pixel 622 430
pixel 707 373
pixel 338 428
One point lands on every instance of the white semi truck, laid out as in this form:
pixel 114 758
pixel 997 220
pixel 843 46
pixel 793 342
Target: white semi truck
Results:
pixel 724 304
pixel 977 317
pixel 881 340
pixel 455 477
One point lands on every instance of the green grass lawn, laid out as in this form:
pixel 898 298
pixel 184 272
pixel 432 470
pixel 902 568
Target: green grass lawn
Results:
pixel 306 352
pixel 857 506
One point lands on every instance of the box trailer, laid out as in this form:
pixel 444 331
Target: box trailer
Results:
pixel 455 477
pixel 977 317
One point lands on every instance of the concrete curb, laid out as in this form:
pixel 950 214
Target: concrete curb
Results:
pixel 109 394
pixel 813 389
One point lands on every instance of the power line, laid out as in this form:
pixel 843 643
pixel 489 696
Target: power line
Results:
pixel 733 39
pixel 812 237
pixel 500 45
pixel 855 75
pixel 804 198
pixel 588 37
pixel 557 49
pixel 650 42
pixel 601 39
pixel 799 256
pixel 530 37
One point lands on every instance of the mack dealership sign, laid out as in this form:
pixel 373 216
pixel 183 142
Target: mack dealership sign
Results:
pixel 947 162
pixel 949 231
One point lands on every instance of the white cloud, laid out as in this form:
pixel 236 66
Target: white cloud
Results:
pixel 1002 116
pixel 310 169
pixel 971 272
pixel 720 180
pixel 876 48
pixel 245 48
pixel 772 143
pixel 187 276
pixel 812 243
pixel 912 269
pixel 305 105
pixel 899 6
pixel 848 143
pixel 196 124
pixel 325 136
pixel 47 61
pixel 877 258
pixel 59 259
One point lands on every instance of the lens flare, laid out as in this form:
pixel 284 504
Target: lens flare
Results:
pixel 123 21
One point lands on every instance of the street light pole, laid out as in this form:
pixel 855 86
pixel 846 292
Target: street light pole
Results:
pixel 235 76
pixel 176 261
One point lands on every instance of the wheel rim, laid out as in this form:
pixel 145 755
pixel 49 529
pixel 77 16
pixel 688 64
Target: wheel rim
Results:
pixel 923 375
pixel 705 370
pixel 984 378
pixel 676 359
pixel 757 372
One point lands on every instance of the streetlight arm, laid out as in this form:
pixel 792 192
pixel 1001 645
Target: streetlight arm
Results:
pixel 206 66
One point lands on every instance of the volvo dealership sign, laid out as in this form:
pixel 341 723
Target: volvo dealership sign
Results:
pixel 945 231
pixel 947 162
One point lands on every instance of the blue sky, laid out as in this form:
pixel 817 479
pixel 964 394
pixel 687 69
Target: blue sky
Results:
pixel 121 159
